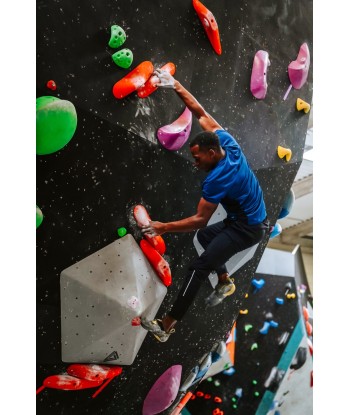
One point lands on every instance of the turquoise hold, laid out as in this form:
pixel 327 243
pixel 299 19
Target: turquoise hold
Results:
pixel 287 204
pixel 118 36
pixel 123 58
pixel 277 229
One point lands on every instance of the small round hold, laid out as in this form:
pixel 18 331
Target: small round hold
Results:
pixel 51 85
pixel 122 232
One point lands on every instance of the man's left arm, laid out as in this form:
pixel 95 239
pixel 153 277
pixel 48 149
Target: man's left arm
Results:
pixel 205 210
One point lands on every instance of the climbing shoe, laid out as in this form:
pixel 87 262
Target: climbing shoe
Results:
pixel 156 328
pixel 221 291
pixel 225 288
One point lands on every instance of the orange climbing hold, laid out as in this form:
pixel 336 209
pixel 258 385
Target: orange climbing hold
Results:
pixel 133 80
pixel 142 219
pixel 209 23
pixel 182 403
pixel 158 263
pixel 150 86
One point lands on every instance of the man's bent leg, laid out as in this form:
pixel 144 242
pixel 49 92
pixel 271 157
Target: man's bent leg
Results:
pixel 205 236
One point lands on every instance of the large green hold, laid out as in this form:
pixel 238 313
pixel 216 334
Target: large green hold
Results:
pixel 56 122
pixel 39 217
pixel 123 58
pixel 118 36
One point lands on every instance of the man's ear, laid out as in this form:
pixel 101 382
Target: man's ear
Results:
pixel 212 152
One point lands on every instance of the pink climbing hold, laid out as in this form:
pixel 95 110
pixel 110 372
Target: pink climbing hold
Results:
pixel 163 392
pixel 175 135
pixel 258 83
pixel 298 70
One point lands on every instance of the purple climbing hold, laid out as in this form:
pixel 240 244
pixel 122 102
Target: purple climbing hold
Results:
pixel 163 392
pixel 258 83
pixel 299 69
pixel 175 135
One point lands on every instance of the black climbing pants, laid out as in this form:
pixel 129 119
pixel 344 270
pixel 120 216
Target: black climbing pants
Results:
pixel 220 241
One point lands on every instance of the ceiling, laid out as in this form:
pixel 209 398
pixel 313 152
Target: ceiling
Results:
pixel 297 227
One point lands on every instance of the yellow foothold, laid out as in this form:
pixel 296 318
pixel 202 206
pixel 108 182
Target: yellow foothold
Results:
pixel 289 296
pixel 302 105
pixel 282 151
pixel 246 296
pixel 243 311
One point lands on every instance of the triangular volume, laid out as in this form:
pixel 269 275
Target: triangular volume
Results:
pixel 112 356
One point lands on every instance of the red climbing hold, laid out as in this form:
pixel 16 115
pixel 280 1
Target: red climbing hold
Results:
pixel 150 86
pixel 158 263
pixel 209 23
pixel 136 321
pixel 51 85
pixel 142 219
pixel 67 382
pixel 133 80
pixel 81 376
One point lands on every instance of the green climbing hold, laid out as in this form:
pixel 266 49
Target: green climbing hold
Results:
pixel 118 36
pixel 39 217
pixel 233 399
pixel 210 379
pixel 247 327
pixel 254 382
pixel 56 122
pixel 123 58
pixel 256 393
pixel 254 346
pixel 122 232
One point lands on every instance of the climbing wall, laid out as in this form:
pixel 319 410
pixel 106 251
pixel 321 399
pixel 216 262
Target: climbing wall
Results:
pixel 111 159
pixel 269 331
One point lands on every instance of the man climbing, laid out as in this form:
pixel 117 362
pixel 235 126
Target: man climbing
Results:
pixel 231 182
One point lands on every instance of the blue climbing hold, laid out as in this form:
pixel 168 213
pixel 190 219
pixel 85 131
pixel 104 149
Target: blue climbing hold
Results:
pixel 258 284
pixel 287 205
pixel 277 229
pixel 265 328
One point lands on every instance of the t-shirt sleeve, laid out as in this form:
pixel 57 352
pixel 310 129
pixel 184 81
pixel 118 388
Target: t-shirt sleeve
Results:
pixel 212 193
pixel 226 139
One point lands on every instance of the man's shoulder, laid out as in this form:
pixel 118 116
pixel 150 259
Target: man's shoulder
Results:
pixel 226 139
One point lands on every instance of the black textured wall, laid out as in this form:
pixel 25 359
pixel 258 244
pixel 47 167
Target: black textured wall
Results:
pixel 253 365
pixel 114 160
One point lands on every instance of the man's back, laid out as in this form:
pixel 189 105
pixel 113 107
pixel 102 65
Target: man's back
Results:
pixel 233 184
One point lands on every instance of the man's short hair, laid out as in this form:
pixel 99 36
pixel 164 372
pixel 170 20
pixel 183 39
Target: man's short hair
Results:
pixel 206 140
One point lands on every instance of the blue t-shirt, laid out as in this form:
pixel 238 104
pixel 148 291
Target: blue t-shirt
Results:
pixel 233 184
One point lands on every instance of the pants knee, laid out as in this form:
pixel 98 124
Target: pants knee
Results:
pixel 201 237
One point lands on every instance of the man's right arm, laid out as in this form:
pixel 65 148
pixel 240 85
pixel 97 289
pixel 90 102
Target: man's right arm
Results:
pixel 206 121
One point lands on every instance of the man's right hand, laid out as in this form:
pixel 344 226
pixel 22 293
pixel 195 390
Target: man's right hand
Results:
pixel 165 79
pixel 154 228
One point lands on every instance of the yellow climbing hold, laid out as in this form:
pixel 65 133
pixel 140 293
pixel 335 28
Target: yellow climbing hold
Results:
pixel 291 295
pixel 302 105
pixel 243 311
pixel 282 151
